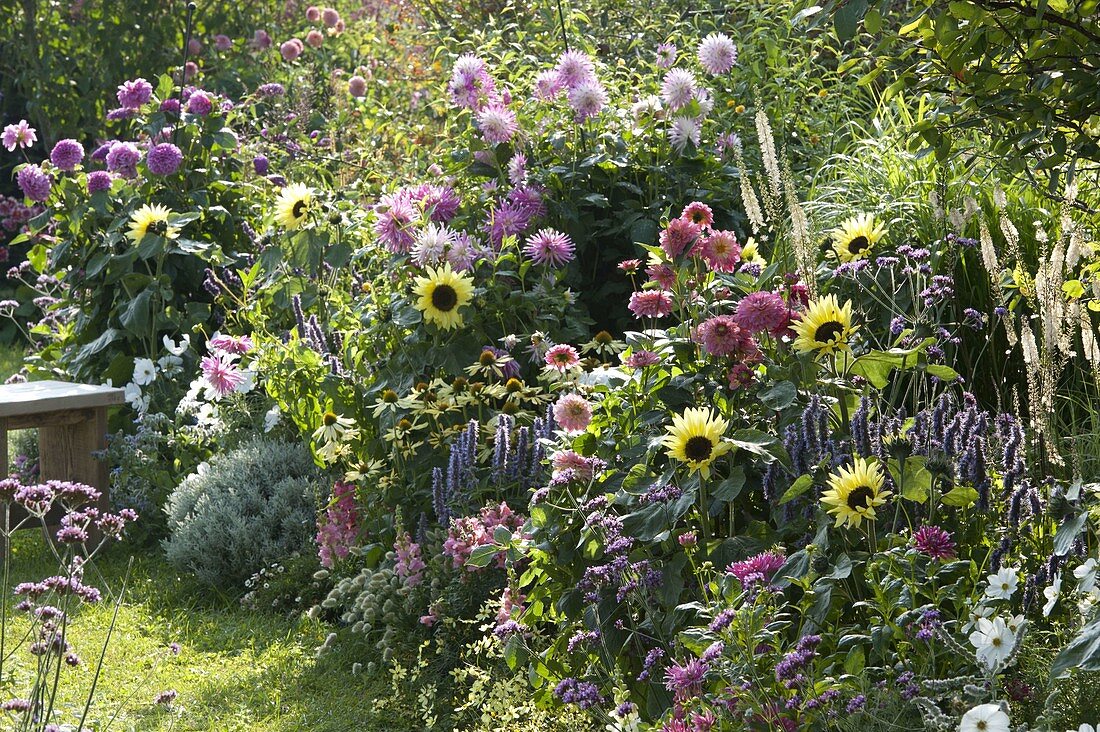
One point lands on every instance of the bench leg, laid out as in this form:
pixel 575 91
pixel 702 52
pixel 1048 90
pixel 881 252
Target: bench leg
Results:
pixel 67 452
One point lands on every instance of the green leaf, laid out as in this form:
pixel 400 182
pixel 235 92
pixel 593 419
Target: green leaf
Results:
pixel 941 372
pixel 1083 652
pixel 482 555
pixel 961 496
pixel 135 318
pixel 760 443
pixel 779 396
pixel 800 486
pixel 655 521
pixel 872 21
pixel 731 487
pixel 917 481
pixel 875 366
pixel 1067 532
pixel 847 19
pixel 855 661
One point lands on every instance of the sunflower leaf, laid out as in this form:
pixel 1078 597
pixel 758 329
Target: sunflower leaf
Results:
pixel 800 486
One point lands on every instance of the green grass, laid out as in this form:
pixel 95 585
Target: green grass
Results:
pixel 237 669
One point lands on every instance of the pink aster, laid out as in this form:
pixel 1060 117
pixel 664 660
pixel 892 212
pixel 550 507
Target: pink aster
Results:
pixel 762 311
pixel 698 213
pixel 650 303
pixel 562 357
pixel 757 568
pixel 220 375
pixel 573 413
pixel 934 542
pixel 641 359
pixel 721 336
pixel 678 236
pixel 18 135
pixel 721 251
pixel 549 247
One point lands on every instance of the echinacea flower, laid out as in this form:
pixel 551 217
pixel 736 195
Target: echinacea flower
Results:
pixel 572 412
pixel 825 327
pixel 695 439
pixel 67 154
pixel 650 303
pixel 19 134
pixel 335 428
pixel 717 54
pixel 985 718
pixel 854 492
pixel 293 205
pixel 549 247
pixel 440 294
pixel 151 219
pixel 856 237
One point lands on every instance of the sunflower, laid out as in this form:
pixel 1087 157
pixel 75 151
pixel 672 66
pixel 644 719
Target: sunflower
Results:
pixel 750 254
pixel 825 327
pixel 695 438
pixel 151 220
pixel 854 492
pixel 855 238
pixel 441 293
pixel 293 204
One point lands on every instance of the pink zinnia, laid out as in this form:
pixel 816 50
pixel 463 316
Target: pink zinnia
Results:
pixel 562 357
pixel 934 542
pixel 698 213
pixel 641 359
pixel 721 336
pixel 650 303
pixel 758 568
pixel 721 252
pixel 223 377
pixel 573 413
pixel 549 247
pixel 762 311
pixel 679 235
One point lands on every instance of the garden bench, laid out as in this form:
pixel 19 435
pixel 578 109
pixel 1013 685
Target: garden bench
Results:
pixel 72 427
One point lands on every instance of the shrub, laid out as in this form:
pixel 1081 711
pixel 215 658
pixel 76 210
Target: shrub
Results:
pixel 242 510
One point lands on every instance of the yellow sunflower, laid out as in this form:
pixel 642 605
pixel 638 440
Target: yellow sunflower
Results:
pixel 855 238
pixel 695 438
pixel 293 204
pixel 855 492
pixel 750 254
pixel 825 327
pixel 440 294
pixel 151 220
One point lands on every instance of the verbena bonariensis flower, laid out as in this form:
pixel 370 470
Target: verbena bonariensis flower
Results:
pixel 584 694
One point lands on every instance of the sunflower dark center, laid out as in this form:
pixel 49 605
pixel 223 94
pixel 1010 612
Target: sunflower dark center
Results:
pixel 444 298
pixel 698 448
pixel 860 498
pixel 299 209
pixel 829 331
pixel 158 227
pixel 857 245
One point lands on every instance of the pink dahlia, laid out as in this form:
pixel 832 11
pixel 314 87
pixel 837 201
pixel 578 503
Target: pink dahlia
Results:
pixel 575 68
pixel 221 375
pixel 698 213
pixel 573 413
pixel 721 252
pixel 679 235
pixel 394 225
pixel 330 17
pixel 934 542
pixel 562 357
pixel 678 88
pixel 357 86
pixel 717 54
pixel 641 359
pixel 549 247
pixel 548 85
pixel 662 274
pixel 630 266
pixel 740 376
pixel 291 49
pixel 134 93
pixel 650 303
pixel 582 467
pixel 587 99
pixel 666 55
pixel 313 13
pixel 762 311
pixel 498 124
pixel 721 336
pixel 758 568
pixel 230 344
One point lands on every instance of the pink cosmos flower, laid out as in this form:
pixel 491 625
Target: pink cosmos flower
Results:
pixel 562 357
pixel 762 311
pixel 221 375
pixel 678 236
pixel 20 134
pixel 650 303
pixel 573 413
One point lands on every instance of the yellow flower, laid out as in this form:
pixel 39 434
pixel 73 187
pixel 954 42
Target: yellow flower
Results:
pixel 750 254
pixel 293 204
pixel 855 238
pixel 151 220
pixel 825 327
pixel 440 294
pixel 854 493
pixel 695 438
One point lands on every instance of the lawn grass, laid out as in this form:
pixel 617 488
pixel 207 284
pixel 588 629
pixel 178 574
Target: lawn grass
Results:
pixel 236 669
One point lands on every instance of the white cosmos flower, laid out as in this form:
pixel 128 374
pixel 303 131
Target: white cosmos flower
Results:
pixel 271 418
pixel 985 718
pixel 1003 584
pixel 177 349
pixel 145 371
pixel 1051 594
pixel 1083 728
pixel 1014 623
pixel 975 615
pixel 1086 575
pixel 170 364
pixel 993 642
